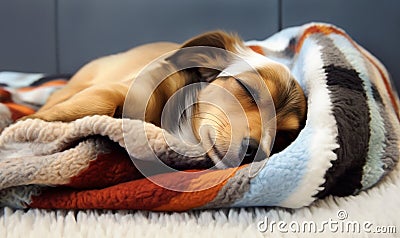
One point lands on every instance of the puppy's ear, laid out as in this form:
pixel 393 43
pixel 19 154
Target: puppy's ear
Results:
pixel 207 54
pixel 217 39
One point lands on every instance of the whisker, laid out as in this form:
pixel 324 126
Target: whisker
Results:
pixel 219 119
pixel 206 118
pixel 218 122
pixel 218 127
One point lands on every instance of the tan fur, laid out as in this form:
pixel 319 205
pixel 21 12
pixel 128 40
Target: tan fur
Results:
pixel 101 86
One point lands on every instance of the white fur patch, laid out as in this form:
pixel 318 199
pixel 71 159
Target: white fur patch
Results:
pixel 247 60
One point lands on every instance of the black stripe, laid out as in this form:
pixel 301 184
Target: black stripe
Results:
pixel 351 113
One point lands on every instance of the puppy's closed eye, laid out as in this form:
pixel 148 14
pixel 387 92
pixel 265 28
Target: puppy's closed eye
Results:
pixel 251 94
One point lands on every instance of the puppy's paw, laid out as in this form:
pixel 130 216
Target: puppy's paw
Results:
pixel 32 116
pixel 40 116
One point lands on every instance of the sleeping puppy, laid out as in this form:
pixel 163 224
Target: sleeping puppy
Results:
pixel 101 87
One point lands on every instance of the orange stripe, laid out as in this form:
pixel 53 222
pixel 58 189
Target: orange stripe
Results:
pixel 257 49
pixel 330 29
pixel 55 82
pixel 18 111
pixel 48 84
pixel 114 167
pixel 5 96
pixel 214 179
pixel 316 29
pixel 138 194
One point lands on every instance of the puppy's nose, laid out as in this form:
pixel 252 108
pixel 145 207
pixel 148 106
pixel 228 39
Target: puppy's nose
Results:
pixel 250 151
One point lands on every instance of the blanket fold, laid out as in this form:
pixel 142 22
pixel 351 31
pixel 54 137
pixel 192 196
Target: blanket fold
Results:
pixel 349 143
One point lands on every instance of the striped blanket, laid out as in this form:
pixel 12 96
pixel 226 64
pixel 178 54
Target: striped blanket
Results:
pixel 349 143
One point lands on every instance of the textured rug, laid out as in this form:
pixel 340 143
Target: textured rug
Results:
pixel 378 206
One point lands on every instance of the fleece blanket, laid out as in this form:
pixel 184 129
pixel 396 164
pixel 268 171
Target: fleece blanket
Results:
pixel 349 143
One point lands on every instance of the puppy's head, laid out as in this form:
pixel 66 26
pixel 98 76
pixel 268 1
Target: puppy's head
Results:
pixel 232 111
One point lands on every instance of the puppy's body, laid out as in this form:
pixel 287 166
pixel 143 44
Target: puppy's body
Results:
pixel 101 87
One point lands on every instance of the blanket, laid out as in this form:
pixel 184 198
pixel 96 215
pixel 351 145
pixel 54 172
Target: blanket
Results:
pixel 349 143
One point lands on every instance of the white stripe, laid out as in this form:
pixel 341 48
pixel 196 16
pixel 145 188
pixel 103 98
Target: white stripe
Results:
pixel 37 96
pixel 17 80
pixel 279 41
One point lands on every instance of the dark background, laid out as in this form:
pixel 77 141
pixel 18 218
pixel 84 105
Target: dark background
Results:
pixel 59 36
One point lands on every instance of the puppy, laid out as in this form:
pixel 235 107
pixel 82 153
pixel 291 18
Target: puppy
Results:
pixel 235 75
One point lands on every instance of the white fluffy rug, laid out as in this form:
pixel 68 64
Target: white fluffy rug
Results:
pixel 374 212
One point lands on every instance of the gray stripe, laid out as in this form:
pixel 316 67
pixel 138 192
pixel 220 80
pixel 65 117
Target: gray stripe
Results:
pixel 391 154
pixel 235 187
pixel 20 196
pixel 331 55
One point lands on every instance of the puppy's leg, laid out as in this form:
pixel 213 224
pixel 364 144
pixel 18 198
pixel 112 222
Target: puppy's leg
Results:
pixel 60 96
pixel 95 100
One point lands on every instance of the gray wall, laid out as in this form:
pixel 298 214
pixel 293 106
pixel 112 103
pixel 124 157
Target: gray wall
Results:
pixel 91 28
pixel 58 36
pixel 27 35
pixel 373 24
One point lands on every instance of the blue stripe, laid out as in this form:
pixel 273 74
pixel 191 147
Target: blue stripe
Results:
pixel 281 175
